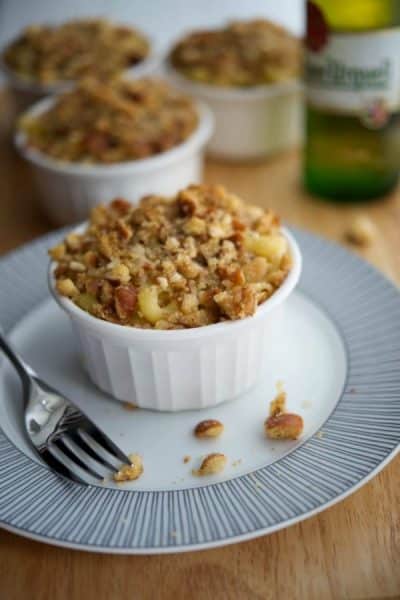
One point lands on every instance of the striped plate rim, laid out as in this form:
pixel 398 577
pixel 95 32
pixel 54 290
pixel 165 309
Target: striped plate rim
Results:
pixel 360 436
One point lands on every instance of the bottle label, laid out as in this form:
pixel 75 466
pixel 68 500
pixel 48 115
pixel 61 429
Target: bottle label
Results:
pixel 353 73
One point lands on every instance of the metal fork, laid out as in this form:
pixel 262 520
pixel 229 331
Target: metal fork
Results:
pixel 63 436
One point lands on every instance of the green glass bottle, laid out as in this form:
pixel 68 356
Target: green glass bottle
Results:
pixel 352 75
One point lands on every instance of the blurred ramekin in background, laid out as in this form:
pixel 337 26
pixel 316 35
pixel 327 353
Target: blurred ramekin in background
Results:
pixel 25 93
pixel 250 123
pixel 67 191
pixel 185 369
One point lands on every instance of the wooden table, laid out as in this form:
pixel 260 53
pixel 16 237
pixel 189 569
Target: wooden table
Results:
pixel 350 551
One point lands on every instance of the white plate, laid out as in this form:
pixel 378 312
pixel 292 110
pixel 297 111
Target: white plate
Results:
pixel 337 356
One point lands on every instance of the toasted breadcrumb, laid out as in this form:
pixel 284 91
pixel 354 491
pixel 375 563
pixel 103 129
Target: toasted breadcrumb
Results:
pixel 129 406
pixel 130 472
pixel 208 428
pixel 278 404
pixel 281 424
pixel 361 232
pixel 77 48
pixel 108 122
pixel 241 54
pixel 142 268
pixel 212 464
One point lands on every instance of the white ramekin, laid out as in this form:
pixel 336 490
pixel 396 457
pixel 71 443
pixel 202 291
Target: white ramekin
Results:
pixel 249 123
pixel 25 93
pixel 67 191
pixel 184 369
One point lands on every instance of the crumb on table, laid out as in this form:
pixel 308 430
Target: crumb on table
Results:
pixel 361 232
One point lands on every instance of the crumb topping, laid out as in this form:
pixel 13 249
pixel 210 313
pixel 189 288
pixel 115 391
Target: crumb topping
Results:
pixel 144 267
pixel 76 49
pixel 130 472
pixel 209 428
pixel 361 232
pixel 211 465
pixel 129 405
pixel 242 54
pixel 281 424
pixel 107 123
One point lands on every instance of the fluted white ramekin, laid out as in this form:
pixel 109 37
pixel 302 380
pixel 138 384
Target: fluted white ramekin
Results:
pixel 250 123
pixel 25 93
pixel 67 191
pixel 180 369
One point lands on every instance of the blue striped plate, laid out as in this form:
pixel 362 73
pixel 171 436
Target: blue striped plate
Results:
pixel 346 442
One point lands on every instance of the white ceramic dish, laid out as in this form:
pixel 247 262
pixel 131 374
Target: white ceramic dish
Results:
pixel 25 93
pixel 337 353
pixel 249 123
pixel 182 369
pixel 67 191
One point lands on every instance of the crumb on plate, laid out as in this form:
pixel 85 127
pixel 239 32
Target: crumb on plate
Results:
pixel 212 464
pixel 280 424
pixel 208 428
pixel 130 472
pixel 130 405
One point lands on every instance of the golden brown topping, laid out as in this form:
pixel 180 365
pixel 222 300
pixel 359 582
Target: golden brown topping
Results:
pixel 125 301
pixel 238 302
pixel 208 428
pixel 66 287
pixel 362 231
pixel 242 54
pixel 99 122
pixel 278 404
pixel 58 252
pixel 76 49
pixel 132 471
pixel 284 426
pixel 281 424
pixel 160 275
pixel 129 406
pixel 212 464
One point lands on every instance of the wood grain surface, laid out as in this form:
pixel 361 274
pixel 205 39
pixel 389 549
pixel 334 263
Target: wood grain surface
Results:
pixel 351 551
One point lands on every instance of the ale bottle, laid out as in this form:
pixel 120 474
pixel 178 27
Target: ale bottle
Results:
pixel 352 73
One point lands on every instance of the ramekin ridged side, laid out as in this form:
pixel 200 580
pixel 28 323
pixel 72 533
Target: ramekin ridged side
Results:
pixel 250 123
pixel 67 191
pixel 183 369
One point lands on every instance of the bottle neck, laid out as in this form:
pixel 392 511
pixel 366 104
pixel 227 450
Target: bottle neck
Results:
pixel 360 15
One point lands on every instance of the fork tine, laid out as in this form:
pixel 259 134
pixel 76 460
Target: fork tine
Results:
pixel 73 456
pixel 103 440
pixel 59 467
pixel 77 438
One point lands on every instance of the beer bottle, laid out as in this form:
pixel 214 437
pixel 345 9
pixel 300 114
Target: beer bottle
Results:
pixel 352 75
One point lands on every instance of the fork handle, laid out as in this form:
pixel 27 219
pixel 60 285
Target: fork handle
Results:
pixel 24 371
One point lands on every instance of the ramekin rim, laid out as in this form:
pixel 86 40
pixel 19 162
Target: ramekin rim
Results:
pixel 171 335
pixel 216 92
pixel 196 140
